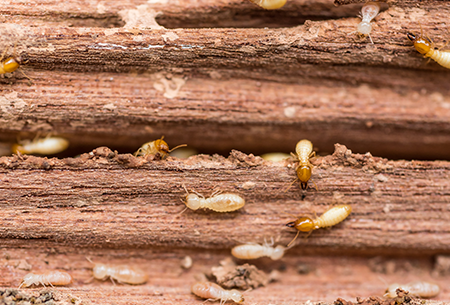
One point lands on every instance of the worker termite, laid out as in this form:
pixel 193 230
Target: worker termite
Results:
pixel 52 278
pixel 121 273
pixel 420 289
pixel 270 4
pixel 44 146
pixel 217 202
pixel 254 251
pixel 158 148
pixel 275 157
pixel 303 152
pixel 208 290
pixel 368 12
pixel 331 217
pixel 426 47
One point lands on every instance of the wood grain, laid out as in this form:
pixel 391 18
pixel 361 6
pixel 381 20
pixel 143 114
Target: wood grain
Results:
pixel 123 111
pixel 222 75
pixel 104 199
pixel 324 278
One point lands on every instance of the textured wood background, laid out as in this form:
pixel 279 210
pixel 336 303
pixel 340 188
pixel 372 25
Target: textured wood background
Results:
pixel 219 76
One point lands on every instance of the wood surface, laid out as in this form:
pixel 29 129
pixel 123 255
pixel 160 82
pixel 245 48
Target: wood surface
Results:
pixel 122 87
pixel 223 77
pixel 106 199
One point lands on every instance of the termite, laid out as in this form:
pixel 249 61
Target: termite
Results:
pixel 52 278
pixel 158 148
pixel 121 273
pixel 331 217
pixel 426 47
pixel 303 152
pixel 368 12
pixel 208 290
pixel 217 202
pixel 270 4
pixel 254 251
pixel 420 289
pixel 275 157
pixel 44 146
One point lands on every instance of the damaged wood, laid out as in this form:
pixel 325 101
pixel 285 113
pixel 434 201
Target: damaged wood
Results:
pixel 124 111
pixel 106 199
pixel 326 278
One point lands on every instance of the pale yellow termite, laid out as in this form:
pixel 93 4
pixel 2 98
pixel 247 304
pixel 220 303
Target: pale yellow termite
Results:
pixel 217 202
pixel 158 148
pixel 254 251
pixel 270 4
pixel 121 273
pixel 303 152
pixel 52 278
pixel 419 288
pixel 275 157
pixel 208 290
pixel 426 47
pixel 331 217
pixel 44 146
pixel 368 12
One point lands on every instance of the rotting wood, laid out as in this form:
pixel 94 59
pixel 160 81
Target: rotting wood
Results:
pixel 68 218
pixel 104 199
pixel 183 14
pixel 324 278
pixel 123 111
pixel 281 51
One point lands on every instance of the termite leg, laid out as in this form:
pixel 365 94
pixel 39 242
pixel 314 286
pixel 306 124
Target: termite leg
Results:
pixel 216 192
pixel 294 156
pixel 4 53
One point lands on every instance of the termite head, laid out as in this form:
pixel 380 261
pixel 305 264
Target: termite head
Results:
pixel 162 147
pixel 303 224
pixel 278 252
pixel 391 290
pixel 12 64
pixel 364 28
pixel 236 296
pixel 422 45
pixel 303 174
pixel 17 148
pixel 28 280
pixel 100 271
pixel 193 201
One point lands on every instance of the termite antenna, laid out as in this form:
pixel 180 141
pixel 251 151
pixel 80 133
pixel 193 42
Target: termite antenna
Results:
pixel 89 260
pixel 187 193
pixel 292 215
pixel 184 210
pixel 89 280
pixel 182 145
pixel 292 241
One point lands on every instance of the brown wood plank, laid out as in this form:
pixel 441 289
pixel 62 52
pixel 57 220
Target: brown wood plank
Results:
pixel 127 201
pixel 123 111
pixel 325 278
